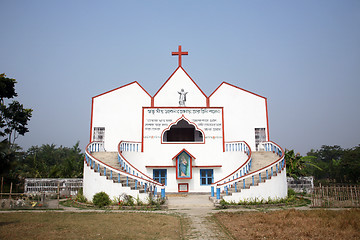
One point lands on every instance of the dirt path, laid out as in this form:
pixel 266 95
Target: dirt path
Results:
pixel 197 208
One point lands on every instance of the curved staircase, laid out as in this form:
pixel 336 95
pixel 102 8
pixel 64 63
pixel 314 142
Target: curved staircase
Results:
pixel 266 178
pixel 111 159
pixel 109 172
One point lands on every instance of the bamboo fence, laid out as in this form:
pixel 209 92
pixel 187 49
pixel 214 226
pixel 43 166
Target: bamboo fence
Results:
pixel 335 196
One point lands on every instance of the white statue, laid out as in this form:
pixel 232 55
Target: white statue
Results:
pixel 182 98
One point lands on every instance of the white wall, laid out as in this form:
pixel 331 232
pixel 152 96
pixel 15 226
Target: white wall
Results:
pixel 168 96
pixel 120 112
pixel 274 188
pixel 243 112
pixel 94 183
pixel 205 156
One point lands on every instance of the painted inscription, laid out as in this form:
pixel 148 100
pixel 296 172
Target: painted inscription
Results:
pixel 209 120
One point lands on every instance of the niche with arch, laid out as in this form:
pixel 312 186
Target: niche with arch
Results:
pixel 183 131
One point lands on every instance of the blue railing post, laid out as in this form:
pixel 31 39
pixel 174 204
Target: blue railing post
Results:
pixel 163 193
pixel 235 186
pixel 127 181
pixel 259 177
pixel 93 164
pixel 267 174
pixel 217 193
pixel 111 174
pixel 272 172
pixel 212 191
pixel 145 187
pixel 98 167
pixel 253 180
pixel 244 183
pixel 227 190
pixel 136 184
pixel 104 171
pixel 118 177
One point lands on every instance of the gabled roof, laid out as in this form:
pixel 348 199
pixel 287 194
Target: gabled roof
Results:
pixel 173 75
pixel 135 82
pixel 184 150
pixel 223 83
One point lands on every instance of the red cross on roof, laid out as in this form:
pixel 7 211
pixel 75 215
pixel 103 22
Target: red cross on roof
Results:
pixel 179 53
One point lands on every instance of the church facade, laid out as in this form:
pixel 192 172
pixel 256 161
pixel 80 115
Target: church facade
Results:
pixel 181 140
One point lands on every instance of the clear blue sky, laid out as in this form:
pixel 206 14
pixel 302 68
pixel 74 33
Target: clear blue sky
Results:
pixel 304 56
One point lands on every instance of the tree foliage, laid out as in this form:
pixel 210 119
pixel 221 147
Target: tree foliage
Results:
pixel 13 122
pixel 332 163
pixel 13 117
pixel 49 161
pixel 296 165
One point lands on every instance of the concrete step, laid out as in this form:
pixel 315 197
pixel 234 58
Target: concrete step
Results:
pixel 260 160
pixel 109 158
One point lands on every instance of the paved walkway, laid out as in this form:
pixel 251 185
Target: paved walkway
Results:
pixel 197 208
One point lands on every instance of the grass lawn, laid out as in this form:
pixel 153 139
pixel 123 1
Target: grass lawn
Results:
pixel 292 224
pixel 53 225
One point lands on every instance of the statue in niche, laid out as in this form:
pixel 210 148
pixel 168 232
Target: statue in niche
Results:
pixel 182 98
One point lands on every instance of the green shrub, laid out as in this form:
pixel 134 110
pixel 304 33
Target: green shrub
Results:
pixel 291 192
pixel 101 199
pixel 80 197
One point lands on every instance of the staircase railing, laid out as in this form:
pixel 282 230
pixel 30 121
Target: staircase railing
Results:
pixel 130 146
pixel 150 185
pixel 268 171
pixel 238 146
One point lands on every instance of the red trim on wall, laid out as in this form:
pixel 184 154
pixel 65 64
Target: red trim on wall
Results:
pixel 166 82
pixel 160 166
pixel 177 165
pixel 174 123
pixel 186 184
pixel 183 150
pixel 92 103
pixel 122 87
pixel 91 121
pixel 206 166
pixel 223 131
pixel 267 116
pixel 194 82
pixel 237 88
pixel 267 120
pixel 190 79
pixel 142 133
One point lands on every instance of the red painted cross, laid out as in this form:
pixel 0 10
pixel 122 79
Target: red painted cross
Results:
pixel 179 53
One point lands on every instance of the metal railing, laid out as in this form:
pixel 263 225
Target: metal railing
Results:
pixel 239 146
pixel 149 185
pixel 256 176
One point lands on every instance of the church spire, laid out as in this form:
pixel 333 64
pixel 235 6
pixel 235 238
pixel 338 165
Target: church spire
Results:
pixel 180 53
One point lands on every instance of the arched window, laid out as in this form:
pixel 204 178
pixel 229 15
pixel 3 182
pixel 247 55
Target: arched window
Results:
pixel 183 131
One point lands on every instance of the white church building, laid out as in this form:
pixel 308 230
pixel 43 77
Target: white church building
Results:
pixel 181 140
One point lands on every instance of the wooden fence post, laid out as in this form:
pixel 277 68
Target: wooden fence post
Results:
pixel 58 193
pixel 2 184
pixel 10 190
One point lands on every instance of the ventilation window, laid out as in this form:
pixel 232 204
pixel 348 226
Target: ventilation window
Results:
pixel 99 134
pixel 183 132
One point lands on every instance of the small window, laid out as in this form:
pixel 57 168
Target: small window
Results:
pixel 206 176
pixel 160 175
pixel 260 136
pixel 99 134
